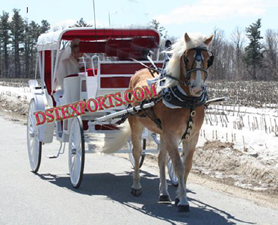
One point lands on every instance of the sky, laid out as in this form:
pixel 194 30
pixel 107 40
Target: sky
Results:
pixel 177 16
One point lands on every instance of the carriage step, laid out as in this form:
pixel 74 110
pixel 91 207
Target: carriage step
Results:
pixel 52 156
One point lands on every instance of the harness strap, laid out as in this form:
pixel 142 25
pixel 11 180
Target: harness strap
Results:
pixel 153 71
pixel 150 112
pixel 187 132
pixel 154 118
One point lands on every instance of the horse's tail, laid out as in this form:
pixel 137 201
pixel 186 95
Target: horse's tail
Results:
pixel 116 141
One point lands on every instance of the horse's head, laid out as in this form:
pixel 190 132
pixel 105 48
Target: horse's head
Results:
pixel 194 64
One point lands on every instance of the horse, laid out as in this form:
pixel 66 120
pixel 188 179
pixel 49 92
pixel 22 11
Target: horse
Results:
pixel 187 72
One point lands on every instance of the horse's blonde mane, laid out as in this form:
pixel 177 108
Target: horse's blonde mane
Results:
pixel 177 50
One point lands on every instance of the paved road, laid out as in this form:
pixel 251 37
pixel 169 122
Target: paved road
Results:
pixel 104 196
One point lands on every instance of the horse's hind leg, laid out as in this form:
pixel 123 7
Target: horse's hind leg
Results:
pixel 163 186
pixel 136 133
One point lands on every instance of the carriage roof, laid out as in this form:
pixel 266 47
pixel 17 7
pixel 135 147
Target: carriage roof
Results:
pixel 148 38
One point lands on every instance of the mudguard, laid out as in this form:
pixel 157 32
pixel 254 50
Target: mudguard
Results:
pixel 45 134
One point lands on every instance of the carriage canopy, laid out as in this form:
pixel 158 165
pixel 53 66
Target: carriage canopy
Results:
pixel 121 44
pixel 145 38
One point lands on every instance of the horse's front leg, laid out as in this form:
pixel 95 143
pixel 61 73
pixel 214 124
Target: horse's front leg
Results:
pixel 172 143
pixel 136 133
pixel 164 196
pixel 188 152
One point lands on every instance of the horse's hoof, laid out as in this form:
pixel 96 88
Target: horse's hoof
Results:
pixel 136 192
pixel 177 201
pixel 164 199
pixel 183 208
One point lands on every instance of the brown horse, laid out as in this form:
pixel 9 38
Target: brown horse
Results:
pixel 187 69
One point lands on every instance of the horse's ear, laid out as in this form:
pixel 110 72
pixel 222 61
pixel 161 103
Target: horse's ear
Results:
pixel 208 40
pixel 186 37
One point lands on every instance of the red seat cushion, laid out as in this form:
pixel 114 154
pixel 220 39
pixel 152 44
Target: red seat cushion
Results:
pixel 92 72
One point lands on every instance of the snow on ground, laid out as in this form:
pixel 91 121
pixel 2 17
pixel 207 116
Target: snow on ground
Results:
pixel 23 93
pixel 250 161
pixel 253 131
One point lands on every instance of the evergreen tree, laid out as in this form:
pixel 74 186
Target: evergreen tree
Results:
pixel 27 48
pixel 35 31
pixel 253 52
pixel 45 26
pixel 17 35
pixel 81 23
pixel 4 40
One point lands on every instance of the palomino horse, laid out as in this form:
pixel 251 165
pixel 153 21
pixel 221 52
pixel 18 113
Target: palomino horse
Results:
pixel 187 70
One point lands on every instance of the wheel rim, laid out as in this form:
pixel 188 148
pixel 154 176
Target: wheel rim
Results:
pixel 33 143
pixel 76 153
pixel 172 173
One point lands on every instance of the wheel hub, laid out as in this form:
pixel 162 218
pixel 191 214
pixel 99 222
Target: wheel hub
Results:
pixel 73 151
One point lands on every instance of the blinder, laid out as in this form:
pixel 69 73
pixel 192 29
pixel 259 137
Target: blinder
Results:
pixel 211 58
pixel 198 56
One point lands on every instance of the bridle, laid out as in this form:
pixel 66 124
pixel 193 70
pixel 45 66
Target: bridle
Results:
pixel 198 58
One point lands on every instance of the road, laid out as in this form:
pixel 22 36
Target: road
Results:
pixel 104 196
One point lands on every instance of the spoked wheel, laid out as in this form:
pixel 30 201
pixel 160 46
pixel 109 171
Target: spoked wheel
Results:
pixel 33 144
pixel 171 172
pixel 142 157
pixel 76 152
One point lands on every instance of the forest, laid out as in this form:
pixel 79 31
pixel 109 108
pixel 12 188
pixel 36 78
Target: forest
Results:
pixel 244 55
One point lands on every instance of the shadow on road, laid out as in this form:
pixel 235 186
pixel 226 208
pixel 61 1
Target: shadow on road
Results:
pixel 118 186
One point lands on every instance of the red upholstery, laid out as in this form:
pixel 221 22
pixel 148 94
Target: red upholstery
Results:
pixel 114 82
pixel 85 124
pixel 47 70
pixel 91 72
pixel 124 49
pixel 144 43
pixel 122 68
pixel 92 47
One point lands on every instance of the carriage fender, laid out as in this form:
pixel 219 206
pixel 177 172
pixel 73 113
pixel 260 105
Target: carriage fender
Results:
pixel 45 134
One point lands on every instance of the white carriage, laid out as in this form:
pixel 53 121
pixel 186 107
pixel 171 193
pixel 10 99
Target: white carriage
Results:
pixel 109 52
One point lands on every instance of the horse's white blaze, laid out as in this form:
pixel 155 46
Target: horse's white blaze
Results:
pixel 197 83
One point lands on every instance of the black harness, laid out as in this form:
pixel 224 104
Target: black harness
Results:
pixel 175 97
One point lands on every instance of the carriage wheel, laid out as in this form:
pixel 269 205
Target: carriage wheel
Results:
pixel 33 144
pixel 76 158
pixel 171 172
pixel 131 158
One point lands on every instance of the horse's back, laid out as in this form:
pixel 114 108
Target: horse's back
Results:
pixel 139 79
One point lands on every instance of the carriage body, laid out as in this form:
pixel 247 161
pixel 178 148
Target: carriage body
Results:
pixel 110 52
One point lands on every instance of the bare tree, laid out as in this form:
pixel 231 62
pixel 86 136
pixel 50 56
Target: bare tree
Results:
pixel 238 40
pixel 271 55
pixel 217 71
